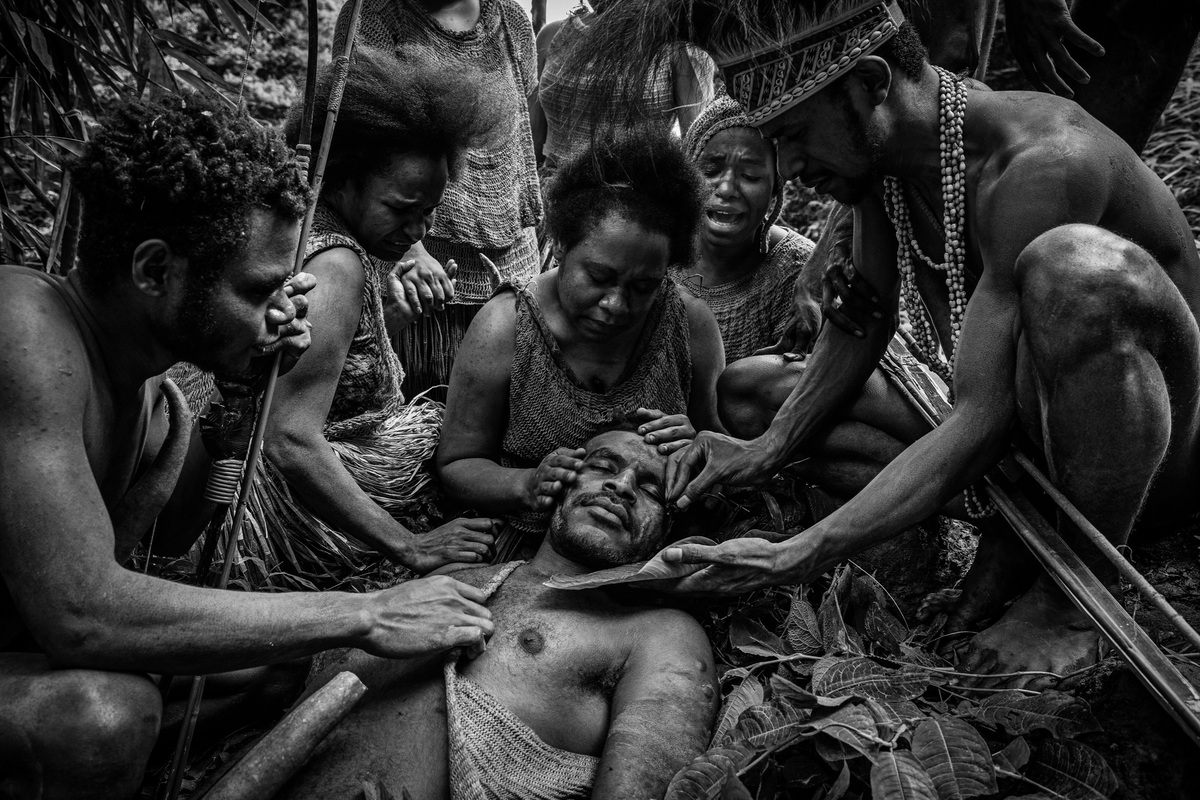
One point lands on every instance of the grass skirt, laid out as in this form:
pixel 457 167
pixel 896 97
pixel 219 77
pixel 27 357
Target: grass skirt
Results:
pixel 285 545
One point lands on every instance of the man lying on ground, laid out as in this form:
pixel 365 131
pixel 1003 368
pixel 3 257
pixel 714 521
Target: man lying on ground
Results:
pixel 576 695
pixel 191 219
pixel 1063 301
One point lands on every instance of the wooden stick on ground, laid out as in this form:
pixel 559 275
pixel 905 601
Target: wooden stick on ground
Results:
pixel 283 750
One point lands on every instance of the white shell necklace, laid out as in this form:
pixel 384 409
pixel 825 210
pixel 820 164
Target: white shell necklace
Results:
pixel 952 107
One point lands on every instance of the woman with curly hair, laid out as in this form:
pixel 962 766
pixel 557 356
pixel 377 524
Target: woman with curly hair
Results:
pixel 605 334
pixel 344 477
pixel 747 266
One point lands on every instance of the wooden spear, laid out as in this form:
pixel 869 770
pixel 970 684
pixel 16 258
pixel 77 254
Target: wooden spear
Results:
pixel 341 70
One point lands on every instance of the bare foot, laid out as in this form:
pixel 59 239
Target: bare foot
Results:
pixel 1002 569
pixel 1041 633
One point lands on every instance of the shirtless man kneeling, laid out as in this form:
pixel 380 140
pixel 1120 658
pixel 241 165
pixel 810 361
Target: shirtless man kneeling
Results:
pixel 575 695
pixel 191 219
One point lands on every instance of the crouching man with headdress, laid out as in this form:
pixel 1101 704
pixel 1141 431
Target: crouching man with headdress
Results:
pixel 191 215
pixel 577 694
pixel 1046 270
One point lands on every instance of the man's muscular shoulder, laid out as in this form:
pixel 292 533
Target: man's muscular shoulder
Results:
pixel 43 361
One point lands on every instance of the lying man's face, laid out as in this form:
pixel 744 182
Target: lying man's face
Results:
pixel 614 513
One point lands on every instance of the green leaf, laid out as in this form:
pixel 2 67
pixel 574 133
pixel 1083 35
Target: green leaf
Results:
pixel 783 689
pixel 769 725
pixel 706 778
pixel 956 758
pixel 1060 714
pixel 831 614
pixel 898 775
pixel 1072 771
pixel 751 637
pixel 746 694
pixel 862 677
pixel 802 631
pixel 852 725
pixel 653 570
pixel 839 787
pixel 882 628
pixel 1014 756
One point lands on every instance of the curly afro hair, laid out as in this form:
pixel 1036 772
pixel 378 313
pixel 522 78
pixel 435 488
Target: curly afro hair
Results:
pixel 185 170
pixel 641 174
pixel 402 102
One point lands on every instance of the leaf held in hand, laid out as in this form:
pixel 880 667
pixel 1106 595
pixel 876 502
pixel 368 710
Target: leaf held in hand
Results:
pixel 653 570
pixel 956 758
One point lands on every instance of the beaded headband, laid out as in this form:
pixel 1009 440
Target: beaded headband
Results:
pixel 770 81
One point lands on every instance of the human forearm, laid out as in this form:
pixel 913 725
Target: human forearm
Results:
pixel 910 489
pixel 313 469
pixel 125 620
pixel 837 369
pixel 485 486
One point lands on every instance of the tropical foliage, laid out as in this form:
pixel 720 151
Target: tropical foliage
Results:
pixel 62 61
pixel 843 700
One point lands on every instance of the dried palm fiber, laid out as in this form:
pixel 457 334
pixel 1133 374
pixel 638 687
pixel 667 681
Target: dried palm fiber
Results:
pixel 493 755
pixel 752 310
pixel 570 129
pixel 550 407
pixel 773 53
pixel 382 442
pixel 495 202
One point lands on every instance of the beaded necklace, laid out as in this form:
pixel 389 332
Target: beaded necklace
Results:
pixel 952 107
pixel 952 110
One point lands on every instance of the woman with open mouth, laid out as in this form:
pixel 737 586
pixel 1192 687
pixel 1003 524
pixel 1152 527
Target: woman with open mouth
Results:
pixel 747 265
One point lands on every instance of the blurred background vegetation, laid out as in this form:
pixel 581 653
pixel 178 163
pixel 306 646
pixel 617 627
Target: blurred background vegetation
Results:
pixel 62 61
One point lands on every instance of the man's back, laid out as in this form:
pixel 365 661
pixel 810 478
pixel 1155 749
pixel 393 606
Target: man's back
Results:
pixel 1069 166
pixel 56 389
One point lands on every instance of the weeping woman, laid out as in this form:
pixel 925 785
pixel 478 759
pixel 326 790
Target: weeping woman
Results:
pixel 344 486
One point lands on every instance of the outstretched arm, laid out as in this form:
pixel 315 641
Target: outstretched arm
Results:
pixel 839 365
pixel 85 610
pixel 1044 187
pixel 662 710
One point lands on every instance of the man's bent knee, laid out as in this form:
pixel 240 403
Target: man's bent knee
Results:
pixel 1081 286
pixel 750 391
pixel 97 730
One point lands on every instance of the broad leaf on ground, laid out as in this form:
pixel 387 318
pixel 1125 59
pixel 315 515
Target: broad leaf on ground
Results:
pixel 802 631
pixel 751 637
pixel 955 756
pixel 1072 770
pixel 707 778
pixel 898 775
pixel 769 725
pixel 746 694
pixel 1014 756
pixel 852 725
pixel 800 697
pixel 862 677
pixel 1058 713
pixel 831 614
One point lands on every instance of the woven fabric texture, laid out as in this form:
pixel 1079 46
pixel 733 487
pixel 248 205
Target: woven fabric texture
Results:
pixel 752 310
pixel 494 755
